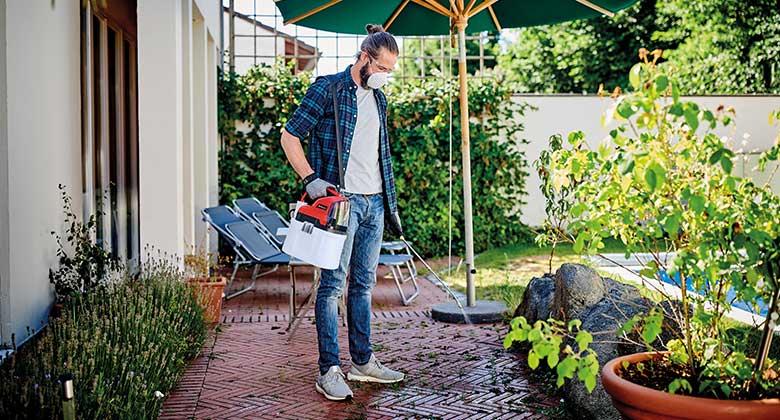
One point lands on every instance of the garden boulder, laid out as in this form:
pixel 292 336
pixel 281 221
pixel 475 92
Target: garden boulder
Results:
pixel 576 288
pixel 602 319
pixel 537 299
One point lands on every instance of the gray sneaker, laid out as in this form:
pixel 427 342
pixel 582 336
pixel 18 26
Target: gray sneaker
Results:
pixel 374 371
pixel 332 385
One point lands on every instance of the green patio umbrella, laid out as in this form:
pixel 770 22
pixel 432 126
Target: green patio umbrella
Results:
pixel 442 17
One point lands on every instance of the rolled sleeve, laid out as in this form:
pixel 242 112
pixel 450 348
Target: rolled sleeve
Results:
pixel 312 107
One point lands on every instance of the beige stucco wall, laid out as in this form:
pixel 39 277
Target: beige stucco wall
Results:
pixel 43 129
pixel 175 81
pixel 562 114
pixel 209 11
pixel 160 130
pixel 5 275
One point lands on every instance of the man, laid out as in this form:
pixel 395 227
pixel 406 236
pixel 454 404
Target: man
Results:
pixel 369 185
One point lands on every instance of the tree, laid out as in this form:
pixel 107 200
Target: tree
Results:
pixel 725 46
pixel 719 46
pixel 578 56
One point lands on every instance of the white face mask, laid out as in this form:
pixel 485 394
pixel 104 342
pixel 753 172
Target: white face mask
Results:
pixel 377 80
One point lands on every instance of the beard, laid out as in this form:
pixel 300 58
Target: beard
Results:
pixel 364 76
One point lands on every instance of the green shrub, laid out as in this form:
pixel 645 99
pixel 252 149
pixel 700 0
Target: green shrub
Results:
pixel 83 264
pixel 418 123
pixel 252 163
pixel 126 344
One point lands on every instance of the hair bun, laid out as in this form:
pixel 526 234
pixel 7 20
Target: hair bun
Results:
pixel 372 29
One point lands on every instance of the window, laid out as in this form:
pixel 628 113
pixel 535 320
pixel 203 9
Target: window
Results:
pixel 109 125
pixel 254 33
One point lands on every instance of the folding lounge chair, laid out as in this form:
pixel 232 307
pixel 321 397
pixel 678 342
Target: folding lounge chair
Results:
pixel 219 218
pixel 401 249
pixel 395 262
pixel 271 222
pixel 259 247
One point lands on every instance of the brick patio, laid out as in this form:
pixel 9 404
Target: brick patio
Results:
pixel 249 371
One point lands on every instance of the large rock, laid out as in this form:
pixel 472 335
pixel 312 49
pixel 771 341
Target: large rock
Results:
pixel 576 288
pixel 537 299
pixel 602 320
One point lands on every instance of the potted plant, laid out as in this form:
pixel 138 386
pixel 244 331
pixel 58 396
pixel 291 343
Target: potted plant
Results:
pixel 199 271
pixel 663 183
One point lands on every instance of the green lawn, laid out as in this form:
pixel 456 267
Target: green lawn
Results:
pixel 503 273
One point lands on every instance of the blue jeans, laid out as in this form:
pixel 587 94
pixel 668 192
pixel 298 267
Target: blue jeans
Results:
pixel 360 258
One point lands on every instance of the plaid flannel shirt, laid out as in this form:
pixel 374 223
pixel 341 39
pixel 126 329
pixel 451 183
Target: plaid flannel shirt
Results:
pixel 315 117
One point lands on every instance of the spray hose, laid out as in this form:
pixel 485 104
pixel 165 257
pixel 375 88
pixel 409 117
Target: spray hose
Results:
pixel 425 263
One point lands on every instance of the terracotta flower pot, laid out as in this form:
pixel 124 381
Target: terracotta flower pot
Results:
pixel 210 294
pixel 640 403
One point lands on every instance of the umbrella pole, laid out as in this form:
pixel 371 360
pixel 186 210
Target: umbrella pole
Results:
pixel 466 154
pixel 486 311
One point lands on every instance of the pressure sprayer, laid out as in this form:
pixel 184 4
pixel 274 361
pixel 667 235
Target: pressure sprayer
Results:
pixel 318 230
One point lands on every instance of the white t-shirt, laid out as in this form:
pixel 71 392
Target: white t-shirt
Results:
pixel 363 174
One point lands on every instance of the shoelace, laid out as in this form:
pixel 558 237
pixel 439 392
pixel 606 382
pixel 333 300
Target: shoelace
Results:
pixel 378 364
pixel 332 379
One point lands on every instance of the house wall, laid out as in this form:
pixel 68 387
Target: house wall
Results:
pixel 5 306
pixel 177 144
pixel 204 128
pixel 160 125
pixel 212 140
pixel 209 11
pixel 40 148
pixel 562 114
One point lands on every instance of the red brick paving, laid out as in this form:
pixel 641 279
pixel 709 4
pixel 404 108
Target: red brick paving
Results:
pixel 249 371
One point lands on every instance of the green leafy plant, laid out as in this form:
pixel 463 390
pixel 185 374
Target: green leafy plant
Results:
pixel 83 264
pixel 547 341
pixel 558 197
pixel 663 184
pixel 254 107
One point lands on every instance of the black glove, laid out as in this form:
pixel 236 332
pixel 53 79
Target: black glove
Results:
pixel 393 224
